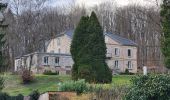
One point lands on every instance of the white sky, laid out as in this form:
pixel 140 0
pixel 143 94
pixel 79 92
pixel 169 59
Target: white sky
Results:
pixel 90 3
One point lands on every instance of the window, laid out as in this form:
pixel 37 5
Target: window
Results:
pixel 59 51
pixel 68 66
pixel 57 60
pixel 116 52
pixel 129 53
pixel 68 72
pixel 129 65
pixel 46 60
pixel 116 64
pixel 58 41
pixel 52 51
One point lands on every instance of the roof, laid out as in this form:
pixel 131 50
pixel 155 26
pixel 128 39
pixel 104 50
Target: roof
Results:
pixel 119 39
pixel 45 53
pixel 69 33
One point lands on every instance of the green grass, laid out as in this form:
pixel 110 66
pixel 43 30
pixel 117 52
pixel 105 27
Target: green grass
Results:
pixel 121 79
pixel 43 83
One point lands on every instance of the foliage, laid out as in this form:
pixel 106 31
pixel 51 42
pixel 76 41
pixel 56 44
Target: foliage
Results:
pixel 26 76
pixel 34 95
pixel 79 40
pixel 79 86
pixel 115 93
pixel 88 50
pixel 165 9
pixel 5 96
pixel 49 72
pixel 1 83
pixel 151 87
pixel 127 72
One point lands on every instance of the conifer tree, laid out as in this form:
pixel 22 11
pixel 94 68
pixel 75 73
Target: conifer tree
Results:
pixel 97 49
pixel 77 44
pixel 165 14
pixel 88 51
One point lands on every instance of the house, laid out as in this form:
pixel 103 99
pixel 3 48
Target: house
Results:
pixel 121 55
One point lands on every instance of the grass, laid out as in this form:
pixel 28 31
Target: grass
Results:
pixel 43 83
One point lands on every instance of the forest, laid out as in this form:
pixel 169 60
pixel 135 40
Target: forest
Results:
pixel 32 23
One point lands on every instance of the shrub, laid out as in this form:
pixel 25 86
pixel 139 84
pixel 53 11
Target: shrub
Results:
pixel 49 72
pixel 1 83
pixel 5 96
pixel 151 87
pixel 34 95
pixel 79 86
pixel 115 93
pixel 126 72
pixel 26 76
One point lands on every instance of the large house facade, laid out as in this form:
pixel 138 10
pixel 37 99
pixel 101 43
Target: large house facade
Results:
pixel 121 55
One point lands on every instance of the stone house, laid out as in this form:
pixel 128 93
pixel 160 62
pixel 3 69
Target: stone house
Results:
pixel 121 55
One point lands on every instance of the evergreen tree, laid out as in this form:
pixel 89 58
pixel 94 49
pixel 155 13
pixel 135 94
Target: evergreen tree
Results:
pixel 88 51
pixel 165 14
pixel 97 50
pixel 2 42
pixel 77 44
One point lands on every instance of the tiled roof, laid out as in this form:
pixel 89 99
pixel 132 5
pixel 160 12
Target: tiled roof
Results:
pixel 119 39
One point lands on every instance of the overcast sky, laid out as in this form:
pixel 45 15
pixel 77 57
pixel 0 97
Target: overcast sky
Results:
pixel 90 3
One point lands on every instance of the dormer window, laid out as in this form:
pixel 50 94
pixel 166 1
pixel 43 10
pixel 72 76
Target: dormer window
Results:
pixel 129 52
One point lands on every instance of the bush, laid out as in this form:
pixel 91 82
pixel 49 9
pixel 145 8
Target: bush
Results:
pixel 26 76
pixel 34 95
pixel 127 72
pixel 5 96
pixel 1 83
pixel 79 86
pixel 151 87
pixel 49 72
pixel 115 93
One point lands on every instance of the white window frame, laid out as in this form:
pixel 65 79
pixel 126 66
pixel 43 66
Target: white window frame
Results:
pixel 118 51
pixel 45 60
pixel 129 65
pixel 116 64
pixel 57 60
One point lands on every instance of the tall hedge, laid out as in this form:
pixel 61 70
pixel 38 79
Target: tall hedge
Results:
pixel 165 14
pixel 88 50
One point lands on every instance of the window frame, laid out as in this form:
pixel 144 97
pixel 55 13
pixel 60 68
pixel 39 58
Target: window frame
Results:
pixel 57 60
pixel 130 65
pixel 46 60
pixel 118 52
pixel 129 52
pixel 116 64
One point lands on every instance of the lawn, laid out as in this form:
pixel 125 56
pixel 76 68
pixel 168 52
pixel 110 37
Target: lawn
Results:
pixel 44 83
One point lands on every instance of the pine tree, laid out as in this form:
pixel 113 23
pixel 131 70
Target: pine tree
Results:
pixel 97 49
pixel 165 14
pixel 88 51
pixel 77 44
